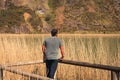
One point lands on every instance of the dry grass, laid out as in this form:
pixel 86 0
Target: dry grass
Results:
pixel 93 48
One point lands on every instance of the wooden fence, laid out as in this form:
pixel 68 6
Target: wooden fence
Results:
pixel 25 74
pixel 115 71
pixel 31 76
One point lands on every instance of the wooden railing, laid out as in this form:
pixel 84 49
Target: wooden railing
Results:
pixel 115 71
pixel 31 76
pixel 25 74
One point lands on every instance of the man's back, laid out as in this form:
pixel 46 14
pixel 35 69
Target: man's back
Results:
pixel 52 45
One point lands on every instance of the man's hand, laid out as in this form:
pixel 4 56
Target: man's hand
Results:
pixel 62 57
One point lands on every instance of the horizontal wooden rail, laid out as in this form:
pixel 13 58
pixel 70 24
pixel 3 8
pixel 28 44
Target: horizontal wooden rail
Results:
pixel 76 63
pixel 33 76
pixel 85 64
pixel 22 63
pixel 115 71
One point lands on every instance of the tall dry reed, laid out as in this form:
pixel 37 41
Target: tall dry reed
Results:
pixel 92 48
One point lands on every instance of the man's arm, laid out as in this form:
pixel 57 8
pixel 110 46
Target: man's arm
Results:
pixel 43 51
pixel 62 51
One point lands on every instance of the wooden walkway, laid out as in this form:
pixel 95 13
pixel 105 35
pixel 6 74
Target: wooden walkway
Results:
pixel 115 71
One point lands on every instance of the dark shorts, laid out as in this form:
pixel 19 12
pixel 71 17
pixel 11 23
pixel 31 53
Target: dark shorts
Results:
pixel 51 66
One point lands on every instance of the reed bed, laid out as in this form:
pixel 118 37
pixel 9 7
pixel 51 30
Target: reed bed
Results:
pixel 92 48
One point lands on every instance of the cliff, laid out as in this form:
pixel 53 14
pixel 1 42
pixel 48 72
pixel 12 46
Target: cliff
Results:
pixel 40 16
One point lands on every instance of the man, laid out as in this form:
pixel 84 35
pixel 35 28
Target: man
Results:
pixel 50 50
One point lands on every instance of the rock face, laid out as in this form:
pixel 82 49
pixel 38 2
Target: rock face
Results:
pixel 20 2
pixel 65 15
pixel 21 17
pixel 2 4
pixel 95 15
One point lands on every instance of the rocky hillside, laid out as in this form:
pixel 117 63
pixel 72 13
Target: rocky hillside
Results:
pixel 40 16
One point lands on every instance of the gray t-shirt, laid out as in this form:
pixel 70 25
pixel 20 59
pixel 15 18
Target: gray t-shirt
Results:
pixel 52 45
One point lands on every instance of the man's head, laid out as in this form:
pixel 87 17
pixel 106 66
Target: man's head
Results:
pixel 54 32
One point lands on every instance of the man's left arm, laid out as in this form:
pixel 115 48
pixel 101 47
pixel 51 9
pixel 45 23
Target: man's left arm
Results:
pixel 43 51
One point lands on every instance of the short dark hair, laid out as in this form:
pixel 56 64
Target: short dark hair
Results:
pixel 54 32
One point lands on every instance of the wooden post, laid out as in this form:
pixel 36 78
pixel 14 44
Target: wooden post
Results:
pixel 1 74
pixel 118 75
pixel 115 75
